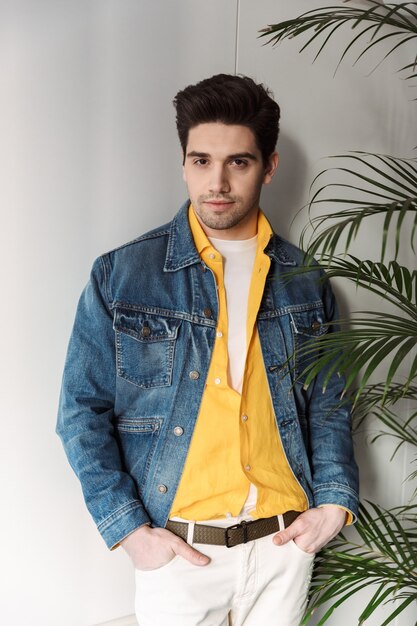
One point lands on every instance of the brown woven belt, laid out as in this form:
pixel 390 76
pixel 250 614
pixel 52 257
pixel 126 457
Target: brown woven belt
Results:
pixel 233 535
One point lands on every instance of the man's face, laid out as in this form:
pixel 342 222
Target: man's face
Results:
pixel 224 173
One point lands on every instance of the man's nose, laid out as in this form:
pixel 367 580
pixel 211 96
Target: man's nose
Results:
pixel 219 182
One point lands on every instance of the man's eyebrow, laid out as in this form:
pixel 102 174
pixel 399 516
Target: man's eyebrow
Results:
pixel 201 155
pixel 238 155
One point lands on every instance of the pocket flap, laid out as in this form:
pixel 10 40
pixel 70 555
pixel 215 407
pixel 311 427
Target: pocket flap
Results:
pixel 145 327
pixel 310 323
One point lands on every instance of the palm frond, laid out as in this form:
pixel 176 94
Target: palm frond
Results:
pixel 358 348
pixel 392 282
pixel 381 186
pixel 371 398
pixel 401 430
pixel 383 554
pixel 400 20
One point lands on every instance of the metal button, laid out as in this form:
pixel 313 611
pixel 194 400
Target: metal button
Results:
pixel 207 312
pixel 217 381
pixel 247 468
pixel 315 325
pixel 162 488
pixel 194 375
pixel 178 431
pixel 244 418
pixel 219 333
pixel 146 331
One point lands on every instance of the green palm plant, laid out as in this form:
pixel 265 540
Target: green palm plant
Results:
pixel 366 23
pixel 385 554
pixel 381 190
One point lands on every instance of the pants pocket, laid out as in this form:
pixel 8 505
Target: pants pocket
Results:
pixel 157 570
pixel 308 555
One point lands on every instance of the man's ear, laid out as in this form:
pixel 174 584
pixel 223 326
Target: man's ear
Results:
pixel 270 168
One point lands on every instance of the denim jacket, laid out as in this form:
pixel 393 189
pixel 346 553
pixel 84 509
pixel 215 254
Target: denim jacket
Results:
pixel 136 368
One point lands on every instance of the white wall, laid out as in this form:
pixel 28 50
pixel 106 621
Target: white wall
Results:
pixel 89 159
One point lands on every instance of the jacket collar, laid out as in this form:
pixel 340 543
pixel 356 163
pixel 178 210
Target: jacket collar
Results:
pixel 182 252
pixel 277 249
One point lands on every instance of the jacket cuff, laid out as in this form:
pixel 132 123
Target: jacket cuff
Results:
pixel 349 515
pixel 122 522
pixel 339 495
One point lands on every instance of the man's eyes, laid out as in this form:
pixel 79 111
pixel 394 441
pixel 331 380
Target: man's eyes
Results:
pixel 239 163
pixel 200 162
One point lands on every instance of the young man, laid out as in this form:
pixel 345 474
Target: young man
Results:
pixel 183 410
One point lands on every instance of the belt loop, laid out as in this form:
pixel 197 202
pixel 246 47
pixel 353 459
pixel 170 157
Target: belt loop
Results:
pixel 190 533
pixel 281 522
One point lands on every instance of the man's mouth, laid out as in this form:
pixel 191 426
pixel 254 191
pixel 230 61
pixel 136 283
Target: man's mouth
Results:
pixel 219 203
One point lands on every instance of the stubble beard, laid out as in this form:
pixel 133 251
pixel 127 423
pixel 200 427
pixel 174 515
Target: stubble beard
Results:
pixel 224 219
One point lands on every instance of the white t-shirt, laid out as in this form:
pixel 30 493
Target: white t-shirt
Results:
pixel 238 259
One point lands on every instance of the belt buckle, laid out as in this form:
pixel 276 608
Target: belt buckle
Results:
pixel 243 524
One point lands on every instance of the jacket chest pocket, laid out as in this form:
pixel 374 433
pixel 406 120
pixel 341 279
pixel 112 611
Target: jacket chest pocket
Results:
pixel 307 327
pixel 145 346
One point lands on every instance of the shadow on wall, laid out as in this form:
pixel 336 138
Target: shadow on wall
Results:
pixel 283 198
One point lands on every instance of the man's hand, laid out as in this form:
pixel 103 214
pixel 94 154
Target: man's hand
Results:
pixel 151 548
pixel 313 528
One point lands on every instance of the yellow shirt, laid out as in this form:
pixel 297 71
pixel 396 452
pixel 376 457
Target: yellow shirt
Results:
pixel 236 439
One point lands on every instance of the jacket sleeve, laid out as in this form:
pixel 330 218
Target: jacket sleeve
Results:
pixel 85 416
pixel 335 473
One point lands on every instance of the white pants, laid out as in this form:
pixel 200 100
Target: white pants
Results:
pixel 252 584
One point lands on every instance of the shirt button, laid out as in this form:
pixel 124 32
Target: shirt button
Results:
pixel 212 255
pixel 146 331
pixel 207 312
pixel 228 514
pixel 178 431
pixel 194 375
pixel 219 333
pixel 247 468
pixel 162 488
pixel 244 418
pixel 217 381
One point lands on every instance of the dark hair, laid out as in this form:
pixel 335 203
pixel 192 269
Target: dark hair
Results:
pixel 231 100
